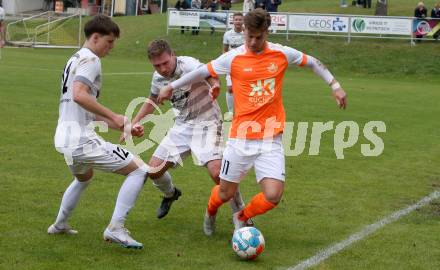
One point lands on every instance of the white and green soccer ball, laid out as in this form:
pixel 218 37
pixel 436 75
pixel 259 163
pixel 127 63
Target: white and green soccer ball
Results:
pixel 248 243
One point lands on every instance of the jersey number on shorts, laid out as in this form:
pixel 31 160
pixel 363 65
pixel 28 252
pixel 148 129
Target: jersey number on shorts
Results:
pixel 121 153
pixel 65 77
pixel 225 167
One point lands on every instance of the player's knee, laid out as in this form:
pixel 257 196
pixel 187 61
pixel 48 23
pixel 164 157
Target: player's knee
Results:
pixel 84 177
pixel 229 89
pixel 156 168
pixel 225 194
pixel 273 196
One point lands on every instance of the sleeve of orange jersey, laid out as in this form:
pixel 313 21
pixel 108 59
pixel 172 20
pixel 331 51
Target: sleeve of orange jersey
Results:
pixel 221 65
pixel 211 70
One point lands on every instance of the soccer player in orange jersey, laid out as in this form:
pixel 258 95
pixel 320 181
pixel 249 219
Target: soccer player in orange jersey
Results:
pixel 257 71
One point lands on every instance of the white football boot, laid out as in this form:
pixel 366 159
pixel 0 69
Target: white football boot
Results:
pixel 209 224
pixel 238 224
pixel 66 229
pixel 121 236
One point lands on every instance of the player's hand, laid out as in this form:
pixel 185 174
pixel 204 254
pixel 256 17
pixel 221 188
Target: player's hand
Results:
pixel 137 130
pixel 340 97
pixel 165 94
pixel 214 91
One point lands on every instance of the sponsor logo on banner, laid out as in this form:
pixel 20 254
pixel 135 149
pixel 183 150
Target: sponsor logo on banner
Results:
pixel 423 27
pixel 318 23
pixel 278 21
pixel 426 27
pixel 184 18
pixel 358 25
pixel 388 26
pixel 339 25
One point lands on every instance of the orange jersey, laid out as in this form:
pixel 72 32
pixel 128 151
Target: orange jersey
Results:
pixel 257 82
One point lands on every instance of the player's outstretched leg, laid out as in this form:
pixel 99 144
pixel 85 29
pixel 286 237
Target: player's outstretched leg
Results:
pixel 116 232
pixel 68 203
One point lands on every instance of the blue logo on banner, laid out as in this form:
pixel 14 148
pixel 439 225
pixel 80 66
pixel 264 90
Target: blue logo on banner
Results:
pixel 339 25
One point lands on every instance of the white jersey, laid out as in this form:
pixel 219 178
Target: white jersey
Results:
pixel 233 39
pixel 74 128
pixel 191 103
pixel 2 14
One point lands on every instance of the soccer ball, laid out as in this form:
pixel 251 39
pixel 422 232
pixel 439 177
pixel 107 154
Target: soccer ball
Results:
pixel 248 243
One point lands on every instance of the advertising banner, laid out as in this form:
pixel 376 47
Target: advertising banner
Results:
pixel 392 26
pixel 318 23
pixel 278 21
pixel 426 27
pixel 213 19
pixel 183 18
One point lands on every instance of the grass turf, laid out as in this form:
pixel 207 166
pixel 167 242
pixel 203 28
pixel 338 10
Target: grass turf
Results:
pixel 325 199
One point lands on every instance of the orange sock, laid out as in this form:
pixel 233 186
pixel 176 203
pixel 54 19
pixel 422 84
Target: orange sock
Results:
pixel 214 201
pixel 257 206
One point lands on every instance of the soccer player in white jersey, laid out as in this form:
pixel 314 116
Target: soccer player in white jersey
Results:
pixel 197 127
pixel 2 27
pixel 257 71
pixel 82 148
pixel 232 39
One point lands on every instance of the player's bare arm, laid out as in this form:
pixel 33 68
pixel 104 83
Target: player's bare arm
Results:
pixel 146 109
pixel 81 95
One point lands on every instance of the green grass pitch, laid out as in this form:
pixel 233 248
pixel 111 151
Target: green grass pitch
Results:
pixel 325 200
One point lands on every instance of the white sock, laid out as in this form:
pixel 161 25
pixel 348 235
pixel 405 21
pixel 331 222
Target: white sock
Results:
pixel 165 184
pixel 127 195
pixel 70 199
pixel 230 101
pixel 236 203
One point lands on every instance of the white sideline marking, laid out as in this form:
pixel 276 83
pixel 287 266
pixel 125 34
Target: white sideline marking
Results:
pixel 367 230
pixel 105 74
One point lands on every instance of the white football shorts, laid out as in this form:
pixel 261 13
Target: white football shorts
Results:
pixel 204 141
pixel 97 154
pixel 266 156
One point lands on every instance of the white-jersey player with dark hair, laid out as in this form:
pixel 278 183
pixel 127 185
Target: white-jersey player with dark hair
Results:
pixel 232 39
pixel 197 128
pixel 82 148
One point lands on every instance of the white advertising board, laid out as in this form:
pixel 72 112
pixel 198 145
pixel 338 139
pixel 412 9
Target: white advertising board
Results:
pixel 393 26
pixel 312 23
pixel 183 18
